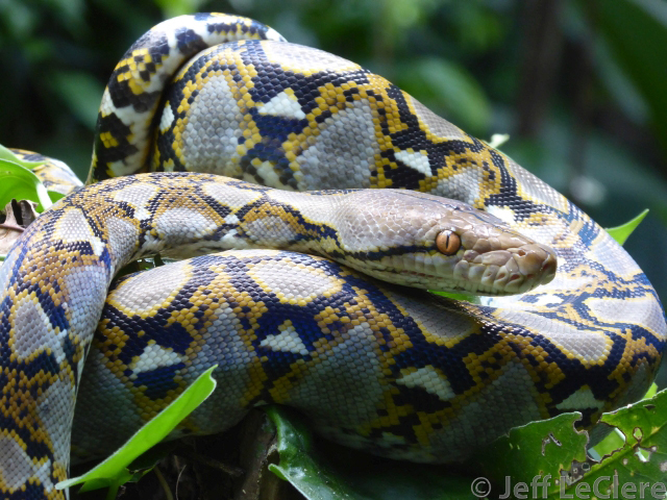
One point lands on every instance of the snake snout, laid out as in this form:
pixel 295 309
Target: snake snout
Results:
pixel 508 270
pixel 537 263
pixel 549 265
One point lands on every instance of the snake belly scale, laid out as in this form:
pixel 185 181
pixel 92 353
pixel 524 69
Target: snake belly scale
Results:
pixel 400 373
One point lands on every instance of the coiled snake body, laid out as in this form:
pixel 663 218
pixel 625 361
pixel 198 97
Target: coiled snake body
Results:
pixel 395 371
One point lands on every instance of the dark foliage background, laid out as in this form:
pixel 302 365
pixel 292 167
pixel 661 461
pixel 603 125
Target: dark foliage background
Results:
pixel 581 86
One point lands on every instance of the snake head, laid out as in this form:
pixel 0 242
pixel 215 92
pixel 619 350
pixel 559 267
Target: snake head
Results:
pixel 424 241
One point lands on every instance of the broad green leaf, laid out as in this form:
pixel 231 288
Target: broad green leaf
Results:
pixel 322 470
pixel 542 454
pixel 643 457
pixel 113 472
pixel 20 183
pixel 622 232
pixel 613 442
pixel 543 448
pixel 6 154
pixel 615 439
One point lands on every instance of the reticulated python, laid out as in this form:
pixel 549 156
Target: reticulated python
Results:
pixel 398 372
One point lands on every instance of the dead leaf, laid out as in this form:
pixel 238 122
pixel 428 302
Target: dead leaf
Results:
pixel 17 216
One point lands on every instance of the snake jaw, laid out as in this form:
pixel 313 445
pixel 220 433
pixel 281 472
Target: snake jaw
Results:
pixel 493 273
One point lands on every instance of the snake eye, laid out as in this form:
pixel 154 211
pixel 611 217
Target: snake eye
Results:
pixel 448 242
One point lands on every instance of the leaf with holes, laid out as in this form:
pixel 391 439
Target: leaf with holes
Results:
pixel 615 440
pixel 637 469
pixel 541 449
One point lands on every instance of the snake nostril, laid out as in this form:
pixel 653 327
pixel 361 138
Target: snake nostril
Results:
pixel 521 253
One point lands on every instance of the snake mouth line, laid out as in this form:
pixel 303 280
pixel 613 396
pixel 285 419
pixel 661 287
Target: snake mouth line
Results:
pixel 510 271
pixel 515 284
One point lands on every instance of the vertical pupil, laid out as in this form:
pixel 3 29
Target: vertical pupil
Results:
pixel 448 242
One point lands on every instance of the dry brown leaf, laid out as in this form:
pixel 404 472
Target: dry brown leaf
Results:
pixel 17 216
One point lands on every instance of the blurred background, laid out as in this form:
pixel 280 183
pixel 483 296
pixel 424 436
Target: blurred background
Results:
pixel 580 85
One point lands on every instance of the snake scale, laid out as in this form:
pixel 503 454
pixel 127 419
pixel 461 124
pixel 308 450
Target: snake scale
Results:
pixel 397 371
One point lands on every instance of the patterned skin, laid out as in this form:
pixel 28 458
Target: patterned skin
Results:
pixel 56 278
pixel 402 374
pixel 54 174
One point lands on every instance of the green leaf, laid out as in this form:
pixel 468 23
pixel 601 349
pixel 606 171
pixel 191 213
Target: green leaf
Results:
pixel 613 442
pixel 473 299
pixel 114 472
pixel 7 154
pixel 55 196
pixel 643 457
pixel 543 448
pixel 652 391
pixel 615 439
pixel 321 470
pixel 622 232
pixel 20 183
pixel 543 454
